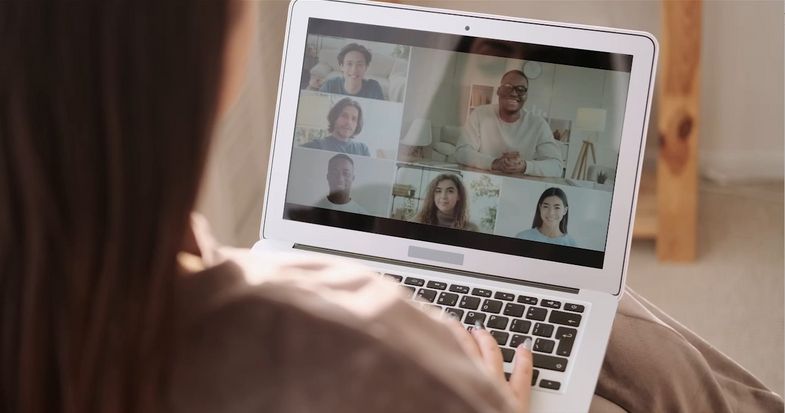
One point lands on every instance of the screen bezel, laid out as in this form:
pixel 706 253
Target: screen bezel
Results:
pixel 640 45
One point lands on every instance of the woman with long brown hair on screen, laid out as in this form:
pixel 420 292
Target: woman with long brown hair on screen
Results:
pixel 446 204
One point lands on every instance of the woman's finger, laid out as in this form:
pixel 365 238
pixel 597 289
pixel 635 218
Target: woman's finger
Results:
pixel 464 338
pixel 489 349
pixel 521 377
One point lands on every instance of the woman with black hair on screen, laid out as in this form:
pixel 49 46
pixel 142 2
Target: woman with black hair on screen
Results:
pixel 550 219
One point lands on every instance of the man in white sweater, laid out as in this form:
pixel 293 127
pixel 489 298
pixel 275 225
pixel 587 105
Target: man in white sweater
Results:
pixel 506 138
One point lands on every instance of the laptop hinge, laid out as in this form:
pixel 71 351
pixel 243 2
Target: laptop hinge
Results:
pixel 436 268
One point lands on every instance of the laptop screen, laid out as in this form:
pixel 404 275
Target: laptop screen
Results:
pixel 492 145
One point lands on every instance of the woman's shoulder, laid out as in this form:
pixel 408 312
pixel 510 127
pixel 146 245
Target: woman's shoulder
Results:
pixel 299 283
pixel 569 240
pixel 528 234
pixel 304 327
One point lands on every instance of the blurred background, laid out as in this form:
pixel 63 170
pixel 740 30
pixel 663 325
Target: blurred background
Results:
pixel 708 243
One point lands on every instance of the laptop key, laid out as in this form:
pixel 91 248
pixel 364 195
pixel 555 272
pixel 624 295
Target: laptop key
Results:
pixel 566 338
pixel 543 345
pixel 550 303
pixel 504 296
pixel 544 361
pixel 517 340
pixel 520 326
pixel 542 330
pixel 508 354
pixel 481 292
pixel 447 299
pixel 469 302
pixel 513 310
pixel 396 278
pixel 472 317
pixel 527 300
pixel 536 313
pixel 500 336
pixel 426 295
pixel 437 285
pixel 433 307
pixel 498 322
pixel 573 307
pixel 567 319
pixel 535 374
pixel 410 289
pixel 454 312
pixel 459 289
pixel 565 347
pixel 417 282
pixel 563 333
pixel 549 384
pixel 492 306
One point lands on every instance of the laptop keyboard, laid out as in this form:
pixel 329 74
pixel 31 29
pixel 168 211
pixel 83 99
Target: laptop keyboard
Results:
pixel 510 318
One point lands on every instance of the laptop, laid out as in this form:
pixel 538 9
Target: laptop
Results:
pixel 487 164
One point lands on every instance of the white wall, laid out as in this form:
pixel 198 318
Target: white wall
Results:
pixel 742 129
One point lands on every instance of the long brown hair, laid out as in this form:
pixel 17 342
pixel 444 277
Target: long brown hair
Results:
pixel 106 109
pixel 428 215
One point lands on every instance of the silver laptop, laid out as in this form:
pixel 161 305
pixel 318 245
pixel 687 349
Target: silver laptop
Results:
pixel 488 164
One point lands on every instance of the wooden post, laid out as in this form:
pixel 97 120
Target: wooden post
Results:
pixel 678 126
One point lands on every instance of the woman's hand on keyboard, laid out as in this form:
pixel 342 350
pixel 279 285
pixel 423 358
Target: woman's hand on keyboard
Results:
pixel 480 344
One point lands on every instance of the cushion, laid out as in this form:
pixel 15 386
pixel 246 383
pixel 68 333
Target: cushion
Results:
pixel 436 133
pixel 381 66
pixel 321 69
pixel 400 67
pixel 445 148
pixel 329 57
pixel 451 134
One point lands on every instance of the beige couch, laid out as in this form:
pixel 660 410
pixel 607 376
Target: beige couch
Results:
pixel 443 142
